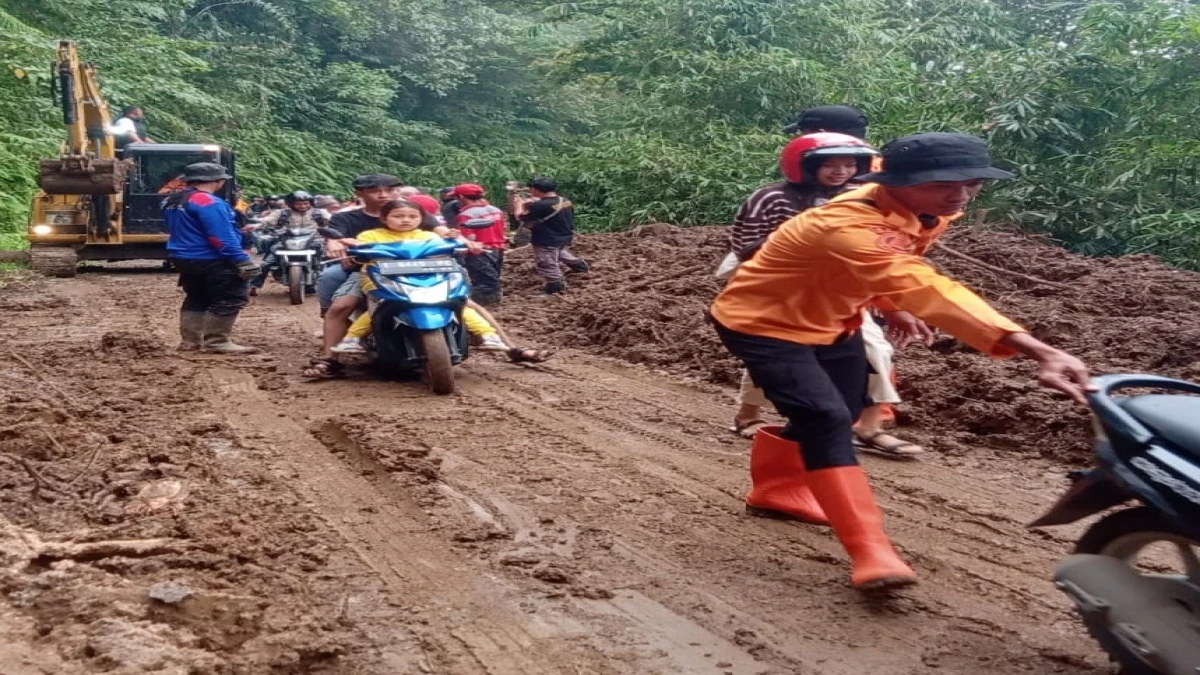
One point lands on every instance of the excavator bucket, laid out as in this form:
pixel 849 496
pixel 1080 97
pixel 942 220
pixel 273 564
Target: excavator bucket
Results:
pixel 79 175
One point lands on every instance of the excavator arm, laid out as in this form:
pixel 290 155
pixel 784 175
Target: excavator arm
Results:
pixel 87 164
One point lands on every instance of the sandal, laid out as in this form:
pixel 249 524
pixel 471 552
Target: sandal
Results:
pixel 323 369
pixel 748 428
pixel 527 355
pixel 894 450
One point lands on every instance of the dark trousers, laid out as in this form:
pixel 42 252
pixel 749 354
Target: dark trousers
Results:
pixel 212 286
pixel 484 270
pixel 821 390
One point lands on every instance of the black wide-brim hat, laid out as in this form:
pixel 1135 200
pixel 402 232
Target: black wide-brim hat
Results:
pixel 935 157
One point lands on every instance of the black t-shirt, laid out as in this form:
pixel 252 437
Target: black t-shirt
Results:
pixel 353 223
pixel 551 220
pixel 450 211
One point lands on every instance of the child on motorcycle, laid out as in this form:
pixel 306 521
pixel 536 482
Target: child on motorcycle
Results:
pixel 402 221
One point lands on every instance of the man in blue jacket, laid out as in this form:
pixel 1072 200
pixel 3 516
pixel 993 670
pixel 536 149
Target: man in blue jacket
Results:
pixel 214 271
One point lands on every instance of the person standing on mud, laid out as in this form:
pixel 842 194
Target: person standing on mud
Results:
pixel 205 245
pixel 550 218
pixel 792 315
pixel 485 227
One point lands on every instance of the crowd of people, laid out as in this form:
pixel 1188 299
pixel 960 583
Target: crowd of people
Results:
pixel 212 244
pixel 825 279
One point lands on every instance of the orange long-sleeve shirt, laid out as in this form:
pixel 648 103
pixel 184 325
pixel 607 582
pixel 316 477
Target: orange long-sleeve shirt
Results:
pixel 810 281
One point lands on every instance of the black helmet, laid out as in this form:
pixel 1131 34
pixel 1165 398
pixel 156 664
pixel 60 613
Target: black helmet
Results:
pixel 298 196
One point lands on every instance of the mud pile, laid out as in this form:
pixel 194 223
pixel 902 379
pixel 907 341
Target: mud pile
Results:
pixel 646 298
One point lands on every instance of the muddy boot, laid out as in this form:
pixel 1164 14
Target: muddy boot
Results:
pixel 846 497
pixel 191 331
pixel 778 481
pixel 578 266
pixel 216 336
pixel 554 287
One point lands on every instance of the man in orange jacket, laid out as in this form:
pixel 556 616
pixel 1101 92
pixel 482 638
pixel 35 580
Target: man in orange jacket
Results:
pixel 792 315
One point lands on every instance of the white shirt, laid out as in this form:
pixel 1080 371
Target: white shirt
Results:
pixel 123 127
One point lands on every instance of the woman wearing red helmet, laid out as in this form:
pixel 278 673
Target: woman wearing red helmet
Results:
pixel 815 167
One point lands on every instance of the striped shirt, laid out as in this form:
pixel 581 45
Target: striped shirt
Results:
pixel 763 212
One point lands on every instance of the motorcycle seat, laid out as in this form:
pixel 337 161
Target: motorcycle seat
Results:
pixel 1174 418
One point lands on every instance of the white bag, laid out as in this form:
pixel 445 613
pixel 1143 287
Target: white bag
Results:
pixel 727 267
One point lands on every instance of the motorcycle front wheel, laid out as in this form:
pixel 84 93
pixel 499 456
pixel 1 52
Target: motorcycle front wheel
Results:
pixel 439 369
pixel 1155 549
pixel 296 284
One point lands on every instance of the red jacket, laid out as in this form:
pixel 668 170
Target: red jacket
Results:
pixel 483 223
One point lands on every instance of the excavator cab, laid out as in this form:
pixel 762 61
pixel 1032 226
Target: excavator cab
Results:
pixel 156 171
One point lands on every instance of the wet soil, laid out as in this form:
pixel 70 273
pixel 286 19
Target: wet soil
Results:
pixel 645 304
pixel 175 513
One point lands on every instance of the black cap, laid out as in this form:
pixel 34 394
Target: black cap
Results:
pixel 376 180
pixel 543 183
pixel 204 172
pixel 934 157
pixel 841 119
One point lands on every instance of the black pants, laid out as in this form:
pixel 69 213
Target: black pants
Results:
pixel 821 390
pixel 212 286
pixel 484 270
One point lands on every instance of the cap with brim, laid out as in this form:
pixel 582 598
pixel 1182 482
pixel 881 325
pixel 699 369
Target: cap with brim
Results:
pixel 934 158
pixel 469 190
pixel 204 172
pixel 376 180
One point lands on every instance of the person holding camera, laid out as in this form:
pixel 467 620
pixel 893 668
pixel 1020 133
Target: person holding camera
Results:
pixel 550 218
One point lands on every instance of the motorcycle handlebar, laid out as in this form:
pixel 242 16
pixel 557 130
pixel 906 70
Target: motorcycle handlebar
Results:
pixel 1105 407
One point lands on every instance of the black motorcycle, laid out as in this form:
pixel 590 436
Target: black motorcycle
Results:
pixel 1135 574
pixel 297 260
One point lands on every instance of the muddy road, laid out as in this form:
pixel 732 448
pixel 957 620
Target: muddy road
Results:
pixel 163 513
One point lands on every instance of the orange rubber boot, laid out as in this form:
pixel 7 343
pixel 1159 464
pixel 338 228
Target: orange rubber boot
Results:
pixel 778 477
pixel 846 496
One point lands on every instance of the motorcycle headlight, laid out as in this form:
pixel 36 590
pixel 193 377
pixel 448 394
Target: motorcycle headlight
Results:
pixel 295 244
pixel 426 295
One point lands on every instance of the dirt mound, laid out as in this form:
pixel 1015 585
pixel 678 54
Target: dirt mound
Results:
pixel 645 303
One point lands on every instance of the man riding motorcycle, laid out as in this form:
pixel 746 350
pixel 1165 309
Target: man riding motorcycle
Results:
pixel 299 214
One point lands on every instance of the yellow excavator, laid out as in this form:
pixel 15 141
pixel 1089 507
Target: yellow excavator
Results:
pixel 97 202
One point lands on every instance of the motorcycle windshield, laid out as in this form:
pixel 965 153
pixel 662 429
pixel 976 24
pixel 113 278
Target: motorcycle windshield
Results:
pixel 405 250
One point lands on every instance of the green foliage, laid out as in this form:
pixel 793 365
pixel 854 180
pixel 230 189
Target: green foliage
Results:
pixel 645 110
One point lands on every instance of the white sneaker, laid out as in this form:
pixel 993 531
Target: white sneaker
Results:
pixel 493 343
pixel 350 346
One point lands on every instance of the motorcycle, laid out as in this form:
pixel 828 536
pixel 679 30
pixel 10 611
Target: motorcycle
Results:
pixel 1143 610
pixel 297 260
pixel 421 291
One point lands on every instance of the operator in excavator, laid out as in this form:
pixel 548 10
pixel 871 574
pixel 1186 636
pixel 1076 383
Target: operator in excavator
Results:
pixel 214 271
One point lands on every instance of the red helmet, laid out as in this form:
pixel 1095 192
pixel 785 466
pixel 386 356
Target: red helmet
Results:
pixel 821 145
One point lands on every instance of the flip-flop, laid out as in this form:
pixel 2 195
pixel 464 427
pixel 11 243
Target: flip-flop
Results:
pixel 527 355
pixel 871 444
pixel 747 429
pixel 323 369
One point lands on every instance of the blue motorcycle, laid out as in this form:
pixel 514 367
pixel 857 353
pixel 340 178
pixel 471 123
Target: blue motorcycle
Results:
pixel 417 325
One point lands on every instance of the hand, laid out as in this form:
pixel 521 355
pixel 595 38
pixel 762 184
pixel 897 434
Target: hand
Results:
pixel 1061 371
pixel 474 247
pixel 452 233
pixel 904 329
pixel 248 269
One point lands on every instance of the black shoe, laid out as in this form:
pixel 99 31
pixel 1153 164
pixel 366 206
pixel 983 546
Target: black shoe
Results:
pixel 554 287
pixel 579 266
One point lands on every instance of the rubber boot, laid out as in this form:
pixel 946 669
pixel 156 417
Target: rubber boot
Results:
pixel 216 336
pixel 846 497
pixel 191 331
pixel 579 266
pixel 777 474
pixel 554 287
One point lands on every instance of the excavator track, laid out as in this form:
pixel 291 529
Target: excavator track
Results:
pixel 54 261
